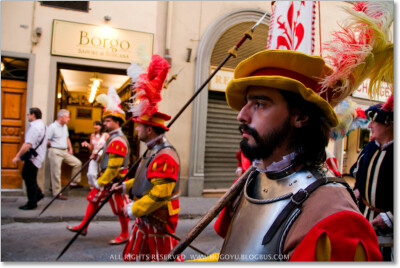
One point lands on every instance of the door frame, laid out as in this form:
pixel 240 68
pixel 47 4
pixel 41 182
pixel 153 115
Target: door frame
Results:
pixel 29 83
pixel 29 90
pixel 202 72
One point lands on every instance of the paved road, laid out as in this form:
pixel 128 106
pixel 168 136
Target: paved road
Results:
pixel 43 242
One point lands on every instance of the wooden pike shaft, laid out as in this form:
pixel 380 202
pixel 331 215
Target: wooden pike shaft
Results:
pixel 211 214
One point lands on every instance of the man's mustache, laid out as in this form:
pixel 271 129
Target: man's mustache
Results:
pixel 249 130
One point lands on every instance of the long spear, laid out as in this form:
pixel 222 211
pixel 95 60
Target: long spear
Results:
pixel 231 52
pixel 229 195
pixel 173 77
pixel 65 187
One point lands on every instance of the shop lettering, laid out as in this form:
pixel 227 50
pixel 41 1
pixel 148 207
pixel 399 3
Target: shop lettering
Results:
pixel 384 92
pixel 99 42
pixel 102 53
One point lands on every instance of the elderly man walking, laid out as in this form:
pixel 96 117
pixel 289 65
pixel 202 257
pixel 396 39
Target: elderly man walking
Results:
pixel 60 150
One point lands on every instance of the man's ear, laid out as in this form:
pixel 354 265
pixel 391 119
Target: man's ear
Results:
pixel 149 130
pixel 299 120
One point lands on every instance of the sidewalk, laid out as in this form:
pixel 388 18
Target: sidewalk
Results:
pixel 74 208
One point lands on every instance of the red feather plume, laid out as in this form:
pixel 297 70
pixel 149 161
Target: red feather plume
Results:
pixel 388 106
pixel 148 87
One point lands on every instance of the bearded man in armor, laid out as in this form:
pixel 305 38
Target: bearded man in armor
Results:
pixel 299 209
pixel 154 193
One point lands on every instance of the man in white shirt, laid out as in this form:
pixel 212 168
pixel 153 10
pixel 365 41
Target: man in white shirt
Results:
pixel 35 138
pixel 60 149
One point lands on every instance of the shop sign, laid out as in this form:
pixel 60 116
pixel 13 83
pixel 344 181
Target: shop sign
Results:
pixel 79 40
pixel 362 92
pixel 221 79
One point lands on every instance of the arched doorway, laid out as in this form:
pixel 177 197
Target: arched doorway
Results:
pixel 223 34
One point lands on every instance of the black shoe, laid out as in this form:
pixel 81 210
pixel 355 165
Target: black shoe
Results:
pixel 28 206
pixel 40 197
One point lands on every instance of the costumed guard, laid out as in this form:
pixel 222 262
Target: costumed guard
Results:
pixel 113 164
pixel 299 209
pixel 155 188
pixel 350 118
pixel 374 172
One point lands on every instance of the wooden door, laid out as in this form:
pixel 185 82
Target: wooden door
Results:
pixel 13 114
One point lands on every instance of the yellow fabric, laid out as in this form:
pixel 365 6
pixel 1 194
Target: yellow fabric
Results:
pixel 212 257
pixel 128 184
pixel 158 196
pixel 114 164
pixel 311 66
pixel 323 248
pixel 360 254
pixel 171 210
pixel 152 119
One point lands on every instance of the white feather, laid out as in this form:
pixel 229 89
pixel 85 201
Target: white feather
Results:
pixel 134 71
pixel 102 99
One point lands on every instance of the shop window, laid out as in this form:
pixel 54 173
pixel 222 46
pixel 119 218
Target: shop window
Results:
pixel 14 69
pixel 73 5
pixel 363 139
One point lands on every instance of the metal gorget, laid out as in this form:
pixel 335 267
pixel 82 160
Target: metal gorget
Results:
pixel 141 184
pixel 264 197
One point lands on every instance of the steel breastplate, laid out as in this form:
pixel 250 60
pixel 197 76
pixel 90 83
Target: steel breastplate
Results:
pixel 141 185
pixel 263 199
pixel 104 158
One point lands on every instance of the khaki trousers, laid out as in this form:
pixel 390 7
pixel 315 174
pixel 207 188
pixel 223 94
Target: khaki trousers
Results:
pixel 56 157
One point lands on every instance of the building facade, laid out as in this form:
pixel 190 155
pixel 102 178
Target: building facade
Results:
pixel 52 44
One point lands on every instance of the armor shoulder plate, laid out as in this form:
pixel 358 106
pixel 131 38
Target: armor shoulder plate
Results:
pixel 163 166
pixel 117 146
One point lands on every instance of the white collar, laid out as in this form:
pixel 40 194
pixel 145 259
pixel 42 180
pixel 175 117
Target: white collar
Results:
pixel 275 166
pixel 384 145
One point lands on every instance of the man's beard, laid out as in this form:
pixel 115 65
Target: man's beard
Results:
pixel 266 145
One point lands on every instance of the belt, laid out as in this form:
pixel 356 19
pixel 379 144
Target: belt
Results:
pixel 58 148
pixel 371 207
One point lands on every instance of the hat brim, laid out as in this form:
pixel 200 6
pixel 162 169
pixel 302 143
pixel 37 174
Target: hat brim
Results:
pixel 138 120
pixel 237 89
pixel 121 116
pixel 309 66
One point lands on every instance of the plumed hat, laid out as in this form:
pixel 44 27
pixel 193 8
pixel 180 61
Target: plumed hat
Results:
pixel 157 119
pixel 360 51
pixel 381 112
pixel 285 70
pixel 350 118
pixel 112 104
pixel 147 93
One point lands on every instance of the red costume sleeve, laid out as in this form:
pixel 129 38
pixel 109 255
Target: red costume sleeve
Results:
pixel 163 166
pixel 339 237
pixel 238 157
pixel 246 163
pixel 223 221
pixel 117 147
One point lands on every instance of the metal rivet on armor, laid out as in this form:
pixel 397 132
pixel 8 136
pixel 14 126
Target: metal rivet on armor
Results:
pixel 265 190
pixel 334 182
pixel 309 176
pixel 294 181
